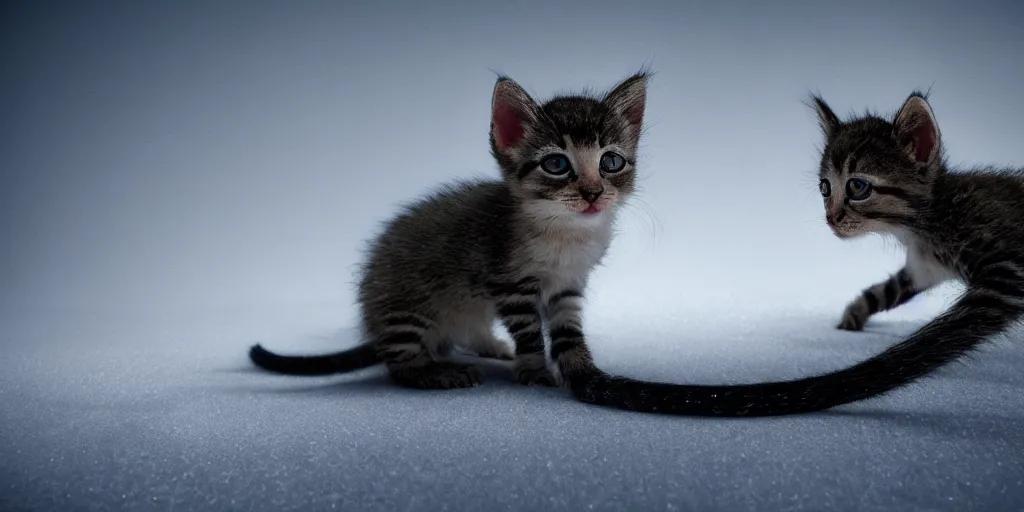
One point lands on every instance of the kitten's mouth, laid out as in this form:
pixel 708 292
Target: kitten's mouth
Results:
pixel 836 231
pixel 846 231
pixel 835 227
pixel 588 209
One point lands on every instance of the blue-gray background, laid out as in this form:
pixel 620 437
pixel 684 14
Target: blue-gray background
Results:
pixel 206 153
pixel 198 158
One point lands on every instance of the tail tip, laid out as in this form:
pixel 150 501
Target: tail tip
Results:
pixel 257 352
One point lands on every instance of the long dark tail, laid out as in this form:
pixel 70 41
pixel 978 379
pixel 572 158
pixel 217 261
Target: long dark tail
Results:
pixel 363 356
pixel 976 317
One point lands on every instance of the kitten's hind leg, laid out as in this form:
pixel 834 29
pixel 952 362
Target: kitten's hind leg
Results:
pixel 405 352
pixel 881 296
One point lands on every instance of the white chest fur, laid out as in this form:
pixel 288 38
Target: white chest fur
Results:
pixel 564 256
pixel 924 268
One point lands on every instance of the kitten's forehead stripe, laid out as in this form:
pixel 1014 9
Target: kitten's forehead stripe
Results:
pixel 837 161
pixel 851 164
pixel 577 118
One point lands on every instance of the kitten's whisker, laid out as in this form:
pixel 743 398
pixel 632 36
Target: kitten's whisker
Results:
pixel 639 208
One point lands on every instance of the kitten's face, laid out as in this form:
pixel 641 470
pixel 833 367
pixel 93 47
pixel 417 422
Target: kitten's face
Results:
pixel 572 157
pixel 876 175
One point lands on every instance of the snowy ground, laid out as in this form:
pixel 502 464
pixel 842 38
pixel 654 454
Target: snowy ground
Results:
pixel 163 412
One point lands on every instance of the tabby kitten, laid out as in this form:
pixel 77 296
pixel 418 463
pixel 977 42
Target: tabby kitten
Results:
pixel 889 177
pixel 513 249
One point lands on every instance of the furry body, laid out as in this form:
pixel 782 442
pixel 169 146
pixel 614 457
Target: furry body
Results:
pixel 518 250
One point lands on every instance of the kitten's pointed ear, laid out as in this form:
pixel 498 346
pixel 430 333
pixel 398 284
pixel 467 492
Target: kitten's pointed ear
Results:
pixel 512 110
pixel 917 132
pixel 827 119
pixel 629 98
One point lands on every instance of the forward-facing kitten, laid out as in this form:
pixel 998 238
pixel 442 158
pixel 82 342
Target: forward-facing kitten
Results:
pixel 886 176
pixel 513 249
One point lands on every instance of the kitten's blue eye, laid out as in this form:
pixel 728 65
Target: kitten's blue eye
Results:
pixel 825 187
pixel 557 165
pixel 612 162
pixel 858 189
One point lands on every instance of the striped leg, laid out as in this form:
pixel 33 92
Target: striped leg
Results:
pixel 883 296
pixel 517 309
pixel 568 346
pixel 400 344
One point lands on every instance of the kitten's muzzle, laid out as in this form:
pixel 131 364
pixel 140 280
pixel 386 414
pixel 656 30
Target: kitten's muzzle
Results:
pixel 834 218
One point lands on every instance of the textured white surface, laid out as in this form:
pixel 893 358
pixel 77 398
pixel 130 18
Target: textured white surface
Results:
pixel 163 412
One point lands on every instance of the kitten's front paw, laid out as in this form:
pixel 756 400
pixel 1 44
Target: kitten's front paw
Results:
pixel 532 375
pixel 436 375
pixel 855 316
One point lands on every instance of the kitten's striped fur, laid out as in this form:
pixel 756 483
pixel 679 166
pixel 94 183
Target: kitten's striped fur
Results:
pixel 965 225
pixel 516 249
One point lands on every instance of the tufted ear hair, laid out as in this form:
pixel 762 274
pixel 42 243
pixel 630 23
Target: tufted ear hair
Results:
pixel 512 110
pixel 629 99
pixel 917 132
pixel 827 119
